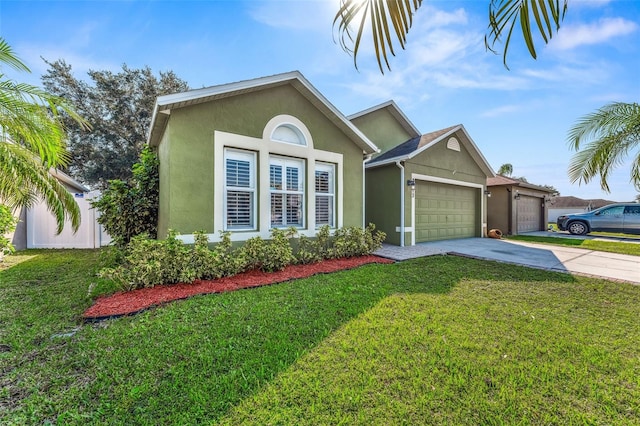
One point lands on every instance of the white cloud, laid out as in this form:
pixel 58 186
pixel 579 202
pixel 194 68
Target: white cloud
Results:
pixel 500 111
pixel 295 15
pixel 605 29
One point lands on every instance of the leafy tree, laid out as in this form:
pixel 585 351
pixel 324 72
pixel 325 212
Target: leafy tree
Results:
pixel 130 208
pixel 606 137
pixel 32 135
pixel 392 19
pixel 119 107
pixel 505 170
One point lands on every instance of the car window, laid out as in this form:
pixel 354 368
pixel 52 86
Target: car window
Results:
pixel 612 211
pixel 634 210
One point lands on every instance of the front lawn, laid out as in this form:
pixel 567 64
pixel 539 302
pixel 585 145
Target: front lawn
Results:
pixel 440 340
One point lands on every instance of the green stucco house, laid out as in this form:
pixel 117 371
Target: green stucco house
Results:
pixel 423 187
pixel 253 155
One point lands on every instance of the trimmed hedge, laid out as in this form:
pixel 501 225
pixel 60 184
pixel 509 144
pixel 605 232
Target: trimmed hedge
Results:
pixel 146 262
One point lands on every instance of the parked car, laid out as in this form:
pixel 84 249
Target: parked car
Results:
pixel 619 217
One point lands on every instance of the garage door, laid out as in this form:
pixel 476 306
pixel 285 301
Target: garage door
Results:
pixel 446 211
pixel 529 214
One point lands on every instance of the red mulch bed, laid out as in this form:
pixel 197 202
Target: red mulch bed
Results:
pixel 132 302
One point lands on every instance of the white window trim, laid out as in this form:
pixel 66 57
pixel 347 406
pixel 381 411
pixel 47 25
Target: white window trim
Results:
pixel 264 147
pixel 291 122
pixel 245 155
pixel 331 168
pixel 285 162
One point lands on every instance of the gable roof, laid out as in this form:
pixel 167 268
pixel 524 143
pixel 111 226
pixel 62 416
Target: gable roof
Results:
pixel 395 111
pixel 500 180
pixel 164 104
pixel 415 146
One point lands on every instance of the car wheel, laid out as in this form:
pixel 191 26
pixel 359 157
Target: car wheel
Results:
pixel 577 228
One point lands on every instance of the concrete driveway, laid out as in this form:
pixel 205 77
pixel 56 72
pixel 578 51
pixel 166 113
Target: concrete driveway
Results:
pixel 612 266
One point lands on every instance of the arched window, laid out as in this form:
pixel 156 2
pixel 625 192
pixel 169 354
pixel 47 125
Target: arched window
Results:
pixel 288 133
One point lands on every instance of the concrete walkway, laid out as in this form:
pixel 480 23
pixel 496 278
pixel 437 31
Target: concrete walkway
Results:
pixel 618 267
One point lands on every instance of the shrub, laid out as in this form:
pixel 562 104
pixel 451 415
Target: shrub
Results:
pixel 148 263
pixel 7 224
pixel 278 254
pixel 130 208
pixel 268 256
pixel 356 241
pixel 203 260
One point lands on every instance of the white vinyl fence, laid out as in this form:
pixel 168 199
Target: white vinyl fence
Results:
pixel 41 227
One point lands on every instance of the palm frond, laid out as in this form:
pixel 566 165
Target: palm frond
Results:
pixel 505 14
pixel 25 180
pixel 388 20
pixel 604 139
pixel 7 56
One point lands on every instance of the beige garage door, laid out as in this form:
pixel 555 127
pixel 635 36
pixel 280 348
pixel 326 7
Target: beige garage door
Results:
pixel 446 211
pixel 529 214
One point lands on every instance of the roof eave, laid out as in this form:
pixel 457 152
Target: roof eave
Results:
pixel 167 102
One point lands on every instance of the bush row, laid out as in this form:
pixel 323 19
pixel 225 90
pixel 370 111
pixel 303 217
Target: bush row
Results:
pixel 146 262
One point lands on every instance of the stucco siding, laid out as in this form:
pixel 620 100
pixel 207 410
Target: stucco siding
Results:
pixel 439 161
pixel 383 200
pixel 382 129
pixel 498 206
pixel 188 149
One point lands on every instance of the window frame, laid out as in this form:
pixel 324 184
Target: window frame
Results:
pixel 251 157
pixel 331 169
pixel 285 163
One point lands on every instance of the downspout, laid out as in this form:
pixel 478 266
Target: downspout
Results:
pixel 364 190
pixel 401 167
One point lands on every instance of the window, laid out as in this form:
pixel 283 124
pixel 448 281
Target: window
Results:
pixel 286 184
pixel 325 195
pixel 240 190
pixel 632 210
pixel 288 133
pixel 612 211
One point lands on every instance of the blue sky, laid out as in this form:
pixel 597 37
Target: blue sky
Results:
pixel 445 77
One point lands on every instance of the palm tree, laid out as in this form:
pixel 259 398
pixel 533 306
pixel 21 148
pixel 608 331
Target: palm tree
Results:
pixel 392 19
pixel 607 137
pixel 506 169
pixel 32 145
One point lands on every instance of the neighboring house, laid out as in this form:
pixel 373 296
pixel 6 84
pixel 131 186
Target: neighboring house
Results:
pixel 37 226
pixel 516 206
pixel 569 204
pixel 254 155
pixel 423 187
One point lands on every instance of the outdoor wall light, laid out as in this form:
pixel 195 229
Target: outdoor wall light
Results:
pixel 487 193
pixel 411 183
pixel 517 196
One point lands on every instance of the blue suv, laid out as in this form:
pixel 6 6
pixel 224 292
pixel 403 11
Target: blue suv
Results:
pixel 619 217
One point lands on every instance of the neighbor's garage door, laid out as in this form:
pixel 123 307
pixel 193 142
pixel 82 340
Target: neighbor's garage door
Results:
pixel 529 211
pixel 445 211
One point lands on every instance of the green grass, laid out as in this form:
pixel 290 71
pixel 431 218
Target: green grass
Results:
pixel 440 340
pixel 597 245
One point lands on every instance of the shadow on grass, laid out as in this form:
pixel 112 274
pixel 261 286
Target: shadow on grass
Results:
pixel 192 360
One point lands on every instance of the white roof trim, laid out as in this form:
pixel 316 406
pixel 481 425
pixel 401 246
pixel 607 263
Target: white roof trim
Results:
pixel 65 178
pixel 177 100
pixel 440 138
